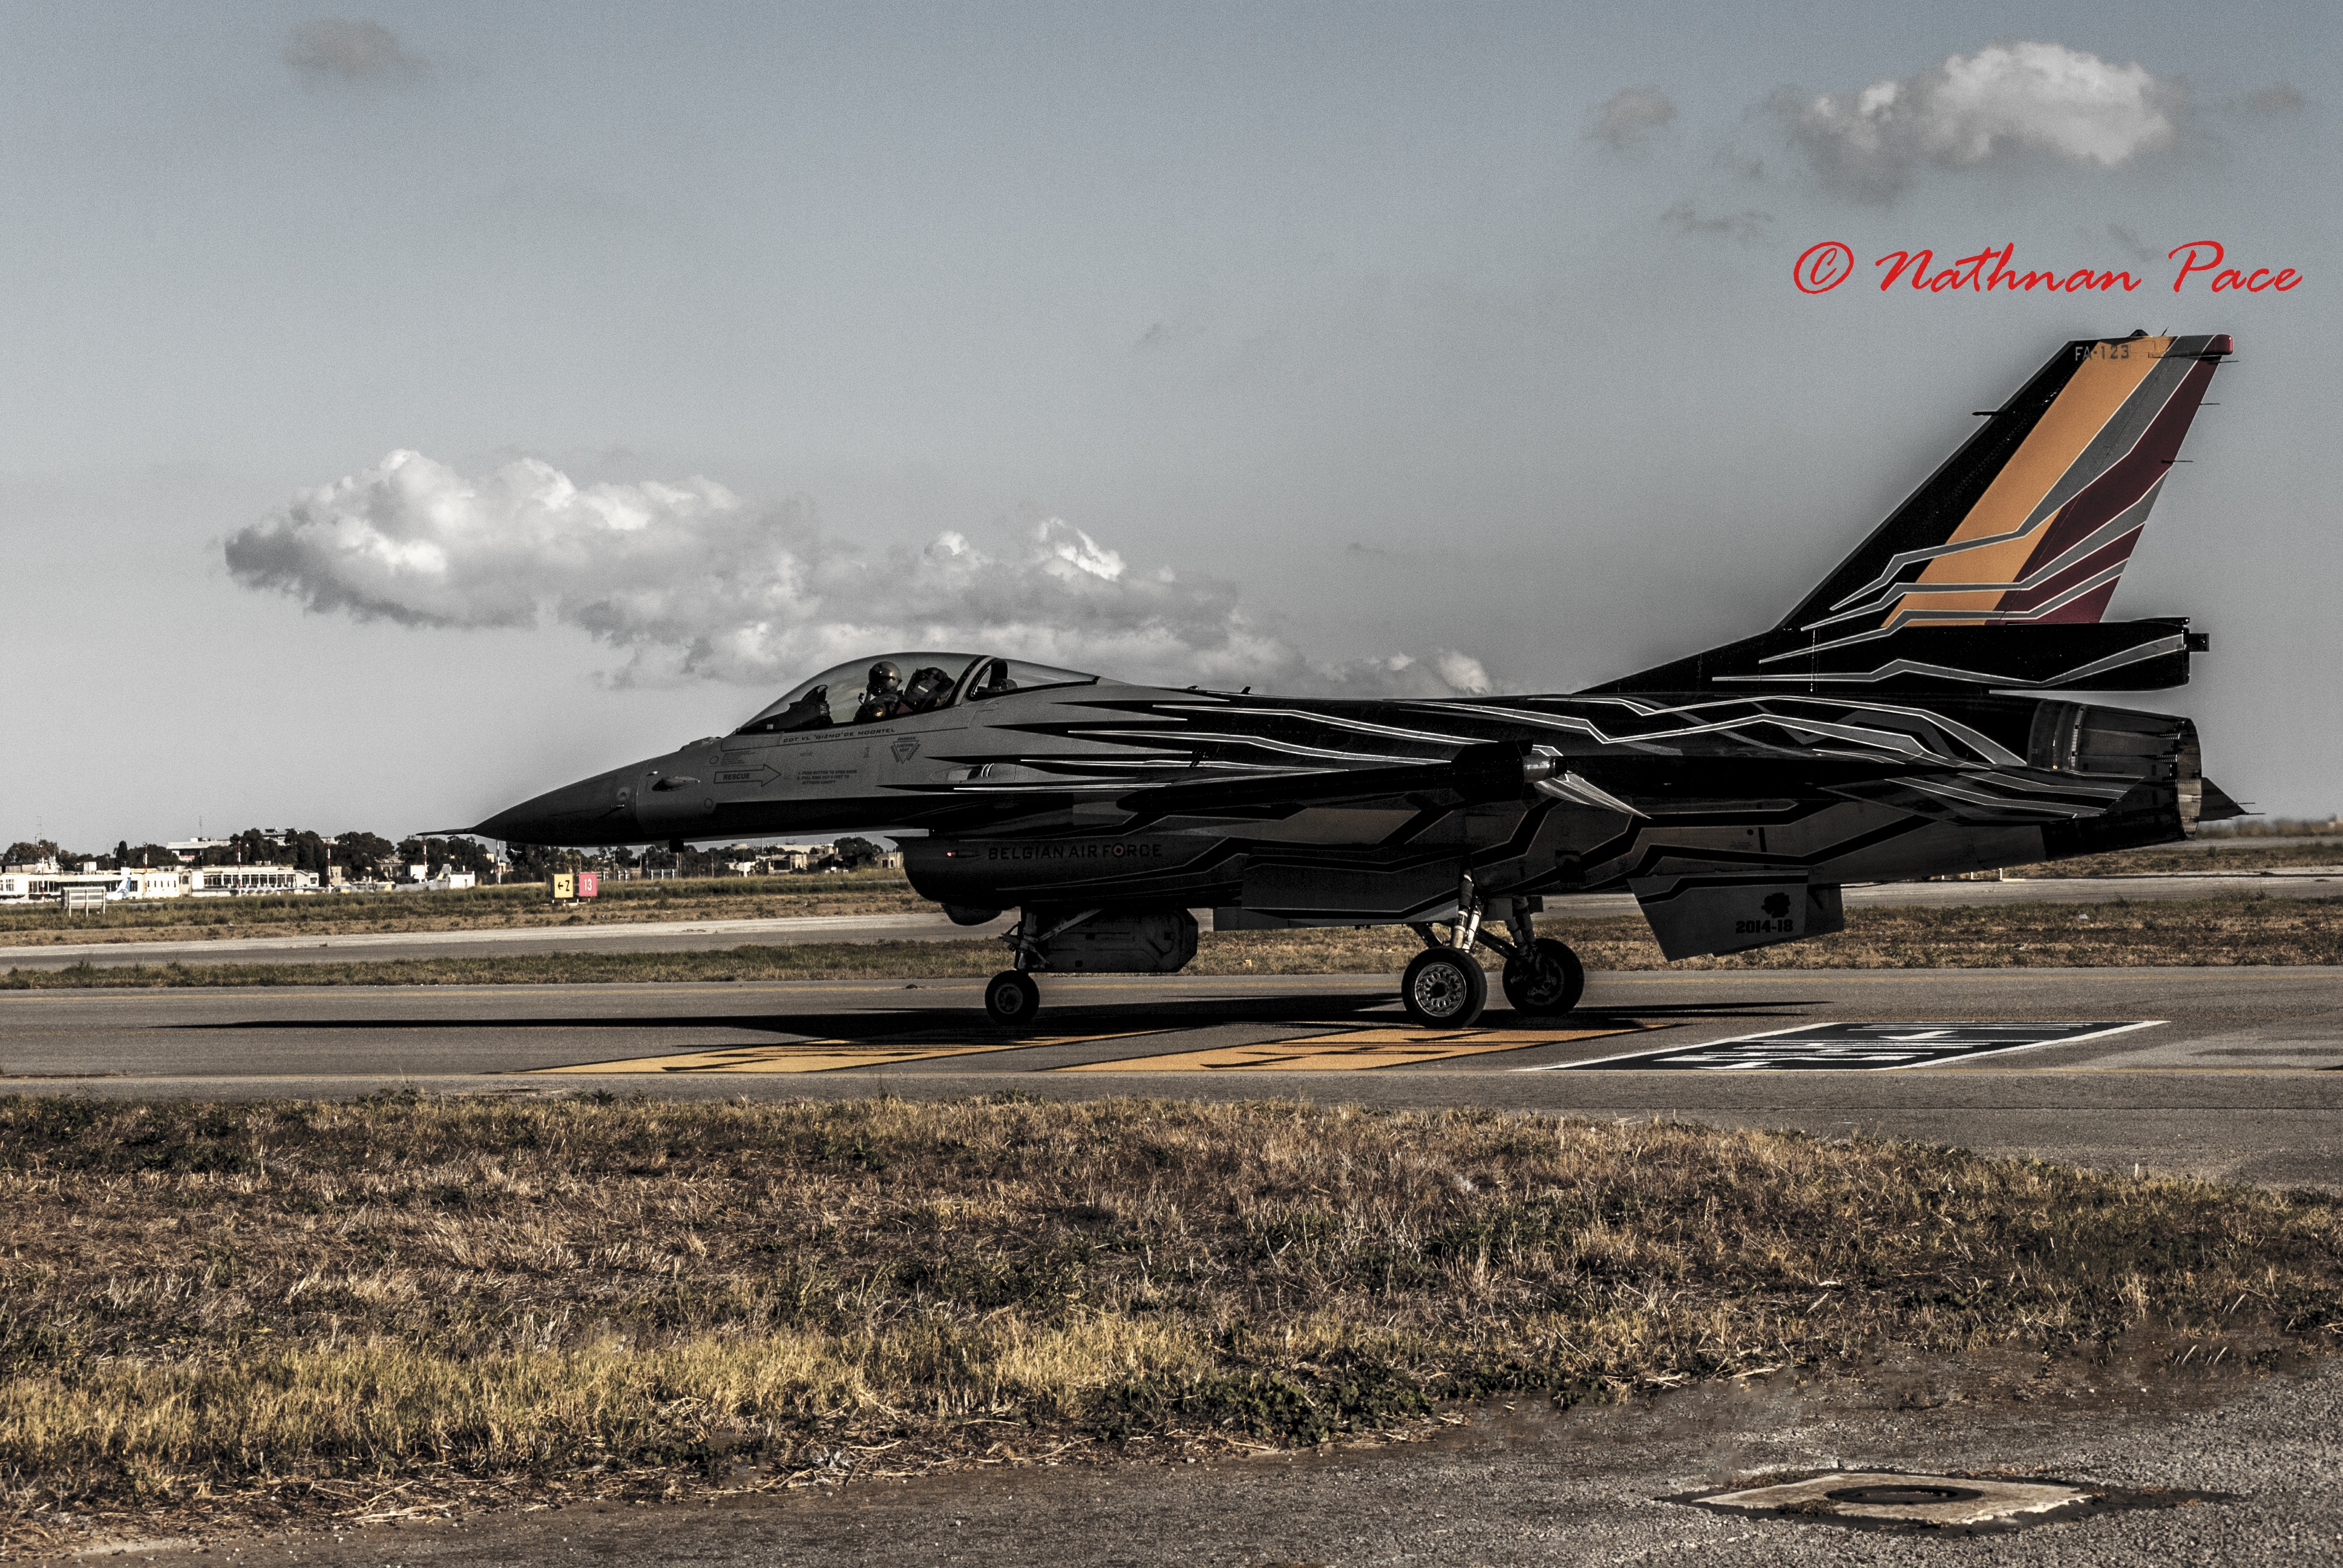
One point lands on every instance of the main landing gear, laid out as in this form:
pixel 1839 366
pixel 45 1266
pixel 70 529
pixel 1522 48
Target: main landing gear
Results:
pixel 1446 988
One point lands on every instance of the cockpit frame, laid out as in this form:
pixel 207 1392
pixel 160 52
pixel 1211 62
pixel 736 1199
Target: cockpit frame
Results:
pixel 981 677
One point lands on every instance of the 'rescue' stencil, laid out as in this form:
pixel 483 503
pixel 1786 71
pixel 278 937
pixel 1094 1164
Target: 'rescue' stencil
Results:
pixel 1858 1046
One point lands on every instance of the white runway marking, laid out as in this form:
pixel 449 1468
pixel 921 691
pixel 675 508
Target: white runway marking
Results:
pixel 1861 1047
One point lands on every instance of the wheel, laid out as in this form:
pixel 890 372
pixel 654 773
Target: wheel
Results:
pixel 1546 981
pixel 1444 989
pixel 1013 999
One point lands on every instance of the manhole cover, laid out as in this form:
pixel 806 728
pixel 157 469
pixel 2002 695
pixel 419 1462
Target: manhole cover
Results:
pixel 1963 1504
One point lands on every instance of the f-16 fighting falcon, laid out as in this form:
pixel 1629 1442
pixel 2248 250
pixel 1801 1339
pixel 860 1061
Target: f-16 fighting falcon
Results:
pixel 1900 723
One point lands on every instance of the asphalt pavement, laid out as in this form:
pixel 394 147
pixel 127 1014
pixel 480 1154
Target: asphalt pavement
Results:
pixel 2232 1073
pixel 591 936
pixel 2229 1073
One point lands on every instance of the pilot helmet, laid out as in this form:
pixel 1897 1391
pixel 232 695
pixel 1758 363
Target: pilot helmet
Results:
pixel 885 677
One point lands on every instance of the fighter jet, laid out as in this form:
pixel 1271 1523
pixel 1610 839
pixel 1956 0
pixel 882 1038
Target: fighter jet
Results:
pixel 1902 721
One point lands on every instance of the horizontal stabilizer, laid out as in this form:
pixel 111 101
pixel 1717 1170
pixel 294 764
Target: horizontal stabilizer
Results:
pixel 2107 655
pixel 2218 806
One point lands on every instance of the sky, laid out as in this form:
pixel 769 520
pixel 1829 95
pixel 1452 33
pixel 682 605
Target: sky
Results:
pixel 413 406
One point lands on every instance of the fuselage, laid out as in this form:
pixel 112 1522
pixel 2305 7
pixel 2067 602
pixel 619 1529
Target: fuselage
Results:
pixel 1105 793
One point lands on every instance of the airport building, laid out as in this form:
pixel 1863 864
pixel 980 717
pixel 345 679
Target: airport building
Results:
pixel 213 881
pixel 45 885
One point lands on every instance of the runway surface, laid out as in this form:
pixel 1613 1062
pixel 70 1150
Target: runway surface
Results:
pixel 679 936
pixel 2229 1073
pixel 612 937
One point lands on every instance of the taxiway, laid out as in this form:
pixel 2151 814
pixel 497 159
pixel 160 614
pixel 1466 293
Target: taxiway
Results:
pixel 2228 1074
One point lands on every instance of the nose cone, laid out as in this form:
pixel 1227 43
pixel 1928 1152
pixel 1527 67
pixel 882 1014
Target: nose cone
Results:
pixel 596 810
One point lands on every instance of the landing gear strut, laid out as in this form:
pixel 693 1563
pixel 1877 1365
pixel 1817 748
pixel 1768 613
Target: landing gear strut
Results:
pixel 1446 988
pixel 1012 998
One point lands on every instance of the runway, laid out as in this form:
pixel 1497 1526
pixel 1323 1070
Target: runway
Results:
pixel 677 936
pixel 612 937
pixel 2229 1073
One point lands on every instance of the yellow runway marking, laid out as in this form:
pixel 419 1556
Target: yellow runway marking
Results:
pixel 825 1055
pixel 1351 1051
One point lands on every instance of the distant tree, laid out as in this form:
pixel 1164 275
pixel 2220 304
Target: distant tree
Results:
pixel 856 853
pixel 158 855
pixel 534 862
pixel 362 855
pixel 465 855
pixel 24 852
pixel 307 851
pixel 444 855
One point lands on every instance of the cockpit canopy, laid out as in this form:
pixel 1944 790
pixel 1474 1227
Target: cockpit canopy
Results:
pixel 864 692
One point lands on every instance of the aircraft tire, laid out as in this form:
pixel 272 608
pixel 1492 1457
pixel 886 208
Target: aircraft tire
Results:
pixel 1444 989
pixel 1546 981
pixel 1011 998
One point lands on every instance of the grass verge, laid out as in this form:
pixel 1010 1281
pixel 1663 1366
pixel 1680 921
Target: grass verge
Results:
pixel 2231 930
pixel 463 910
pixel 254 1310
pixel 766 898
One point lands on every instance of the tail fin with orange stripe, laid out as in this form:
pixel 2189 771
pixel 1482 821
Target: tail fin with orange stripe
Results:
pixel 1996 571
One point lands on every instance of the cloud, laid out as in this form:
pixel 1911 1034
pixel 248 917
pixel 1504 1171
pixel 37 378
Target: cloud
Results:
pixel 2279 99
pixel 1748 227
pixel 1631 117
pixel 2003 102
pixel 336 46
pixel 691 581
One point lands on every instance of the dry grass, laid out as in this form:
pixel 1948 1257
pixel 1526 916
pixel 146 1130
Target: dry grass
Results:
pixel 264 1309
pixel 2198 857
pixel 2249 930
pixel 462 910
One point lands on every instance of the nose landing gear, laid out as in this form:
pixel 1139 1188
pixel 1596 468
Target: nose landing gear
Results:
pixel 1011 998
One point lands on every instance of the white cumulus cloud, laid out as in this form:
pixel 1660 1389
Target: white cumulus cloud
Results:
pixel 2005 101
pixel 687 580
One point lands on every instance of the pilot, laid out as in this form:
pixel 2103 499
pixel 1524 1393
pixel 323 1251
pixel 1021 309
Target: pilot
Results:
pixel 883 696
pixel 929 687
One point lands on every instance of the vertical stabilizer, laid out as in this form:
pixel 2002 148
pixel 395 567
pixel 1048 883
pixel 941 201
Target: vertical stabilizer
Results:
pixel 2033 520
